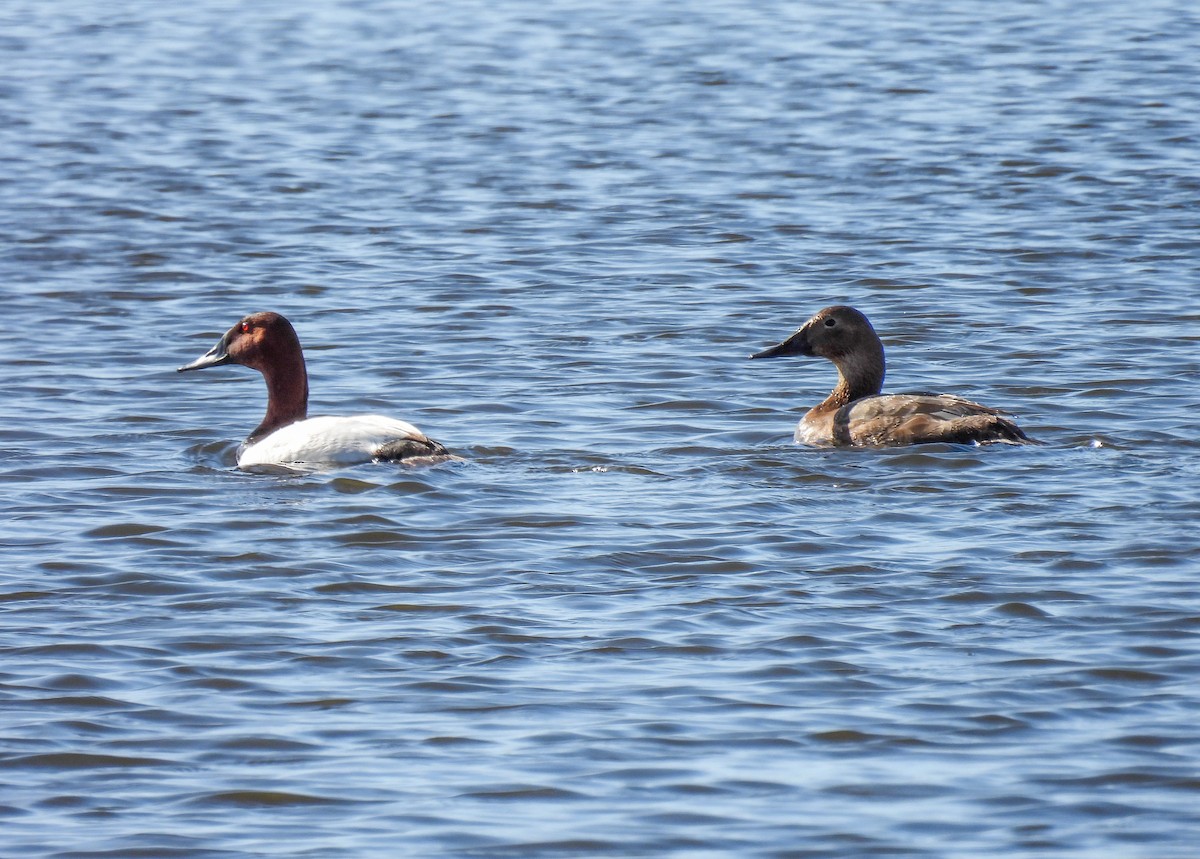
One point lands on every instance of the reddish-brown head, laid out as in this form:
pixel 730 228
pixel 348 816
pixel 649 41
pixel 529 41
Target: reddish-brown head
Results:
pixel 266 342
pixel 261 340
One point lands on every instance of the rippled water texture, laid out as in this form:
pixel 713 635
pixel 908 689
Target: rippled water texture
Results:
pixel 637 620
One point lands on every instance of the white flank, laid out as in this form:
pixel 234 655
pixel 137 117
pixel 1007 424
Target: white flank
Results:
pixel 327 440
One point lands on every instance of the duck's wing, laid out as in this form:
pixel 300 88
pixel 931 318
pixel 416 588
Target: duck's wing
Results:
pixel 411 450
pixel 900 419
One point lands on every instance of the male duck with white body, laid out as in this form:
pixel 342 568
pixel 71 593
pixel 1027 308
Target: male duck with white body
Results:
pixel 287 437
pixel 856 414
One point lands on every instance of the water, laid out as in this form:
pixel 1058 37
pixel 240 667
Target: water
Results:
pixel 638 620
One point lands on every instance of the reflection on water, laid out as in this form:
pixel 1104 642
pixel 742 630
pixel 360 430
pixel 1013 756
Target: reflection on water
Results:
pixel 638 620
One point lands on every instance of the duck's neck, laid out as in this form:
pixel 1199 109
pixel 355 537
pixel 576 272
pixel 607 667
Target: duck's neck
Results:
pixel 287 395
pixel 859 375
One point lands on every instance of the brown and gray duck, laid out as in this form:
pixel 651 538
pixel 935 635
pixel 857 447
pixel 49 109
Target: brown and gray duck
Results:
pixel 856 414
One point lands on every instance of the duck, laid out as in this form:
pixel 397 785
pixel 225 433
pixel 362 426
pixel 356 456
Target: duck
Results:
pixel 857 414
pixel 288 438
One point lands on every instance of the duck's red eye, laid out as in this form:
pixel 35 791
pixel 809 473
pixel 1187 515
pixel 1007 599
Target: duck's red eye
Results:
pixel 245 326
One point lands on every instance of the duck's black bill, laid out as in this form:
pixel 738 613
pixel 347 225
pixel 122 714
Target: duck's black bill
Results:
pixel 214 357
pixel 773 352
pixel 797 344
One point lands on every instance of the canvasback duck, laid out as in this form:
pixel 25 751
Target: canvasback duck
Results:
pixel 855 414
pixel 287 437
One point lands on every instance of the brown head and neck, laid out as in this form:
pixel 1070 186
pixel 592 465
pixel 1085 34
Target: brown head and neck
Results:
pixel 266 342
pixel 844 336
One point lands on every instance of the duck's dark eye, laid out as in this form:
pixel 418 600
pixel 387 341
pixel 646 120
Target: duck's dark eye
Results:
pixel 830 322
